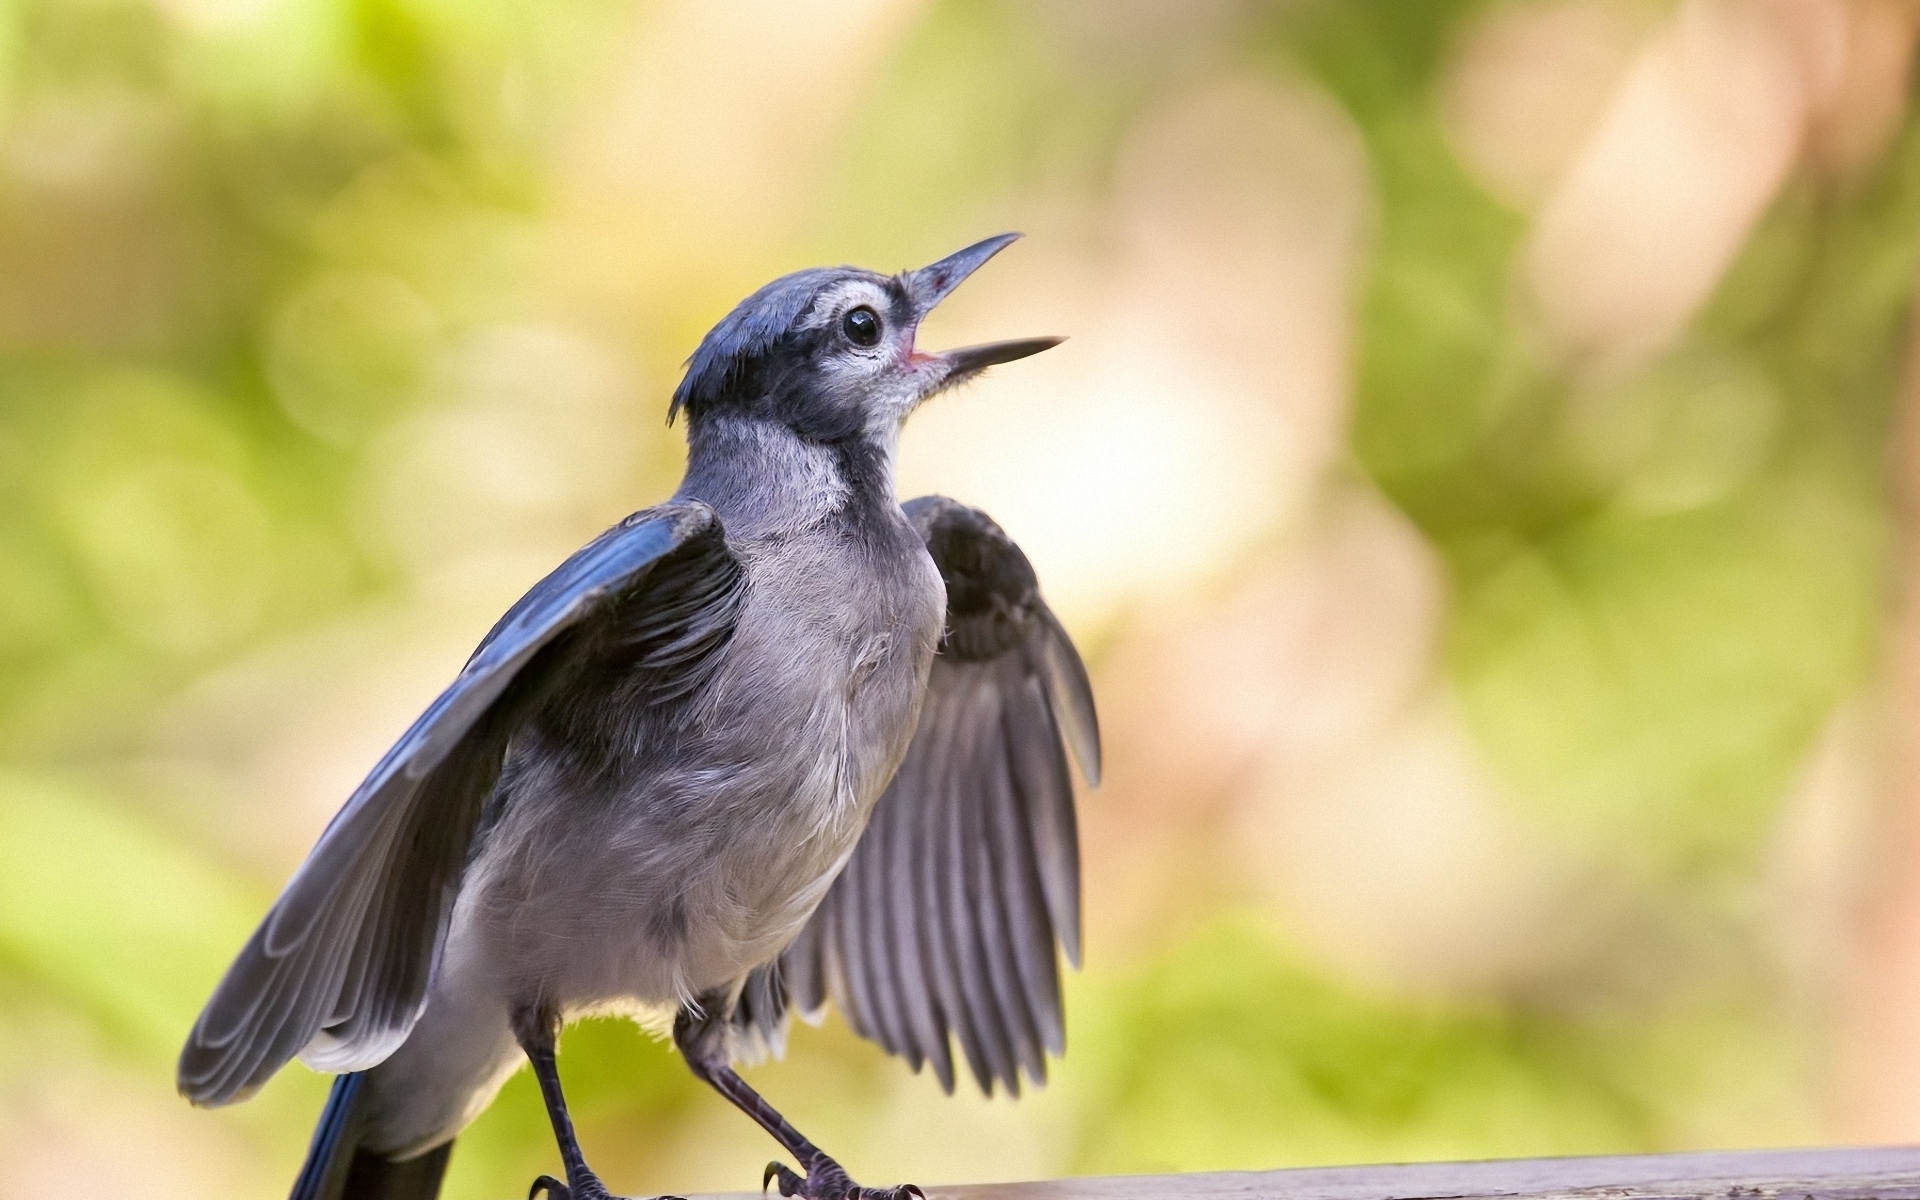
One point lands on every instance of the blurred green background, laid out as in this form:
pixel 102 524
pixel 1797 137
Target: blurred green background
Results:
pixel 1476 474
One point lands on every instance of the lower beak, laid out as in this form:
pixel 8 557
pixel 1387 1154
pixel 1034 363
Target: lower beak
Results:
pixel 971 360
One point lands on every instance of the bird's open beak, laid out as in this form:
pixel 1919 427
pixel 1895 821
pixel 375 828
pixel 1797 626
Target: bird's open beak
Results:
pixel 968 359
pixel 931 284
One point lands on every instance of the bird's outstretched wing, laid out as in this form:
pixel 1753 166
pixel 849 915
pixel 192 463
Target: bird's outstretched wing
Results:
pixel 338 970
pixel 947 923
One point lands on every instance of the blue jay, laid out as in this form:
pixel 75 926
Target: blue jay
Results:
pixel 778 741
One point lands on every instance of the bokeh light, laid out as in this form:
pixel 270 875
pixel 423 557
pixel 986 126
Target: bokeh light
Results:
pixel 1481 472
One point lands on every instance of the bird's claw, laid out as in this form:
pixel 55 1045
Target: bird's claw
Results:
pixel 589 1189
pixel 825 1180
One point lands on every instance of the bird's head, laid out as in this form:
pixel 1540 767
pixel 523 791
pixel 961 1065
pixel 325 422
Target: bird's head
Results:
pixel 829 352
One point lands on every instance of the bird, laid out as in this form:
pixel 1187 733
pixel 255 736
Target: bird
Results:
pixel 777 743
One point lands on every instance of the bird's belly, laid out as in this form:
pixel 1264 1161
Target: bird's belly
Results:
pixel 703 868
pixel 638 915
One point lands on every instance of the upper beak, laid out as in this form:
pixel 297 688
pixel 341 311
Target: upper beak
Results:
pixel 929 285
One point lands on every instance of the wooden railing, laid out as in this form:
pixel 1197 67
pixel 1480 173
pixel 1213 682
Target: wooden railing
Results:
pixel 1884 1173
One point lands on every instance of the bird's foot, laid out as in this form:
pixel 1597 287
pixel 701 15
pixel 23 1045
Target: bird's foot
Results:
pixel 827 1180
pixel 586 1187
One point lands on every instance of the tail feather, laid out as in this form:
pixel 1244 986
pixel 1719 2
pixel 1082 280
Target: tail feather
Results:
pixel 324 1176
pixel 337 1168
pixel 374 1178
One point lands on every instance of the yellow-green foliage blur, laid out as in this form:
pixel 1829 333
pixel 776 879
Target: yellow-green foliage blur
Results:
pixel 1472 472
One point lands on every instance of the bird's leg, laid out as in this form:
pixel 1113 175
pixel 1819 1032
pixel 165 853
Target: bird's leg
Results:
pixel 537 1028
pixel 700 1034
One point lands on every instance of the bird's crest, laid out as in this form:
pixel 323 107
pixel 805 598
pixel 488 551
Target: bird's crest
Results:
pixel 743 336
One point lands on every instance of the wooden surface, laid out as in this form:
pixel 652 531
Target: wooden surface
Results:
pixel 1891 1173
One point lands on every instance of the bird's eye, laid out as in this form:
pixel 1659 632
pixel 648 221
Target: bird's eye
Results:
pixel 862 326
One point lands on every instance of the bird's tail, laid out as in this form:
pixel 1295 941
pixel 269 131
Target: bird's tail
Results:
pixel 338 1168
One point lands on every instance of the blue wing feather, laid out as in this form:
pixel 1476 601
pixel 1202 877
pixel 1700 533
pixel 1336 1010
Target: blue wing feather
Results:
pixel 384 873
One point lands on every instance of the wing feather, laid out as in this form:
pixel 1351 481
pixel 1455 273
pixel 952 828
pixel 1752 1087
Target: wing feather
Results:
pixel 1046 793
pixel 877 950
pixel 805 980
pixel 959 897
pixel 948 923
pixel 1002 970
pixel 339 969
pixel 1029 933
pixel 925 1033
pixel 850 950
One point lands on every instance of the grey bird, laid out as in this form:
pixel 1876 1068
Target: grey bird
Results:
pixel 776 742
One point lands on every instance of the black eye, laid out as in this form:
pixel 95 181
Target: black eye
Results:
pixel 862 326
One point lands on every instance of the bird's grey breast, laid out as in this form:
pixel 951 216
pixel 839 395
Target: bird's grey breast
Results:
pixel 813 707
pixel 697 843
pixel 836 637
